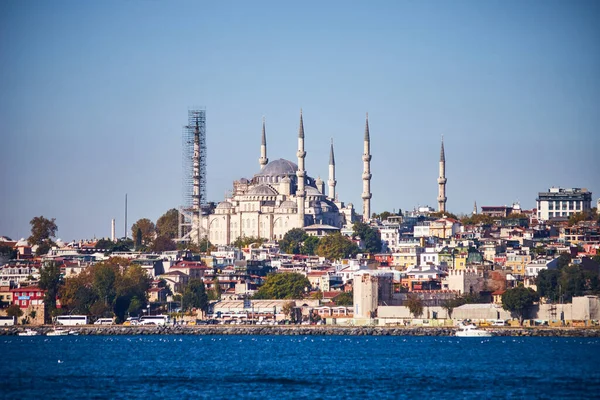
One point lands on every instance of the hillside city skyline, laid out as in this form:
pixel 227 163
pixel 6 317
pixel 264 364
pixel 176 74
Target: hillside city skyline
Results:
pixel 94 109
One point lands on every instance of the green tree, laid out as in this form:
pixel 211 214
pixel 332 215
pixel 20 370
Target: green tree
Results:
pixel 371 237
pixel 8 252
pixel 518 300
pixel 50 281
pixel 287 285
pixel 42 232
pixel 415 305
pixel 168 224
pixel 443 214
pixel 344 299
pixel 572 282
pixel 564 260
pixel 310 245
pixel 194 296
pixel 292 241
pixel 245 241
pixel 147 229
pixel 14 311
pixel 547 284
pixel 163 243
pixel 477 219
pixel 336 246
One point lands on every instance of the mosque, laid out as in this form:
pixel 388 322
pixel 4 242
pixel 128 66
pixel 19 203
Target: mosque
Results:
pixel 282 196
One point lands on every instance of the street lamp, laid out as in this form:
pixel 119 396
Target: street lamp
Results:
pixel 148 306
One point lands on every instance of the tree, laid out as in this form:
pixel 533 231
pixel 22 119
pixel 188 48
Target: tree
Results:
pixel 8 252
pixel 310 245
pixel 547 284
pixel 194 296
pixel 564 260
pixel 371 237
pixel 42 230
pixel 518 300
pixel 450 304
pixel 344 299
pixel 14 311
pixel 443 214
pixel 336 246
pixel 147 228
pixel 292 241
pixel 168 224
pixel 245 241
pixel 286 285
pixel 50 281
pixel 415 305
pixel 572 282
pixel 288 308
pixel 163 243
pixel 477 219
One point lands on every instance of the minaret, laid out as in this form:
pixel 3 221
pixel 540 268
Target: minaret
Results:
pixel 331 181
pixel 442 181
pixel 366 176
pixel 300 194
pixel 475 208
pixel 263 160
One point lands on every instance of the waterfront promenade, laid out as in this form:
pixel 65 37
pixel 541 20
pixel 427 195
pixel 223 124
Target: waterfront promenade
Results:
pixel 308 330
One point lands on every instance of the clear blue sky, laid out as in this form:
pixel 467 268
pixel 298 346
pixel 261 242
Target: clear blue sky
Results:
pixel 93 97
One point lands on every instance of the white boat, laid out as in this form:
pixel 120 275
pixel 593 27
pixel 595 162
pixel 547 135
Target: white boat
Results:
pixel 57 332
pixel 28 332
pixel 74 332
pixel 472 331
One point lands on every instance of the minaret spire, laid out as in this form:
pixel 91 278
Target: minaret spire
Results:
pixel 300 174
pixel 366 176
pixel 263 160
pixel 442 180
pixel 331 182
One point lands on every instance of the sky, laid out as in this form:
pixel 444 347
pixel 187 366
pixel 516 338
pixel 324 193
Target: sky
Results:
pixel 94 95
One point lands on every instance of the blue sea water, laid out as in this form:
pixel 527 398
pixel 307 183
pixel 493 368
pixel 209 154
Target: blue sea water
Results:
pixel 298 367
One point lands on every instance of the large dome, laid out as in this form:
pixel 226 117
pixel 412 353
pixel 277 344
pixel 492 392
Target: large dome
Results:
pixel 279 167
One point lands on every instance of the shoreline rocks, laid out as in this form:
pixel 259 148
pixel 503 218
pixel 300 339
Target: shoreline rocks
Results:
pixel 302 331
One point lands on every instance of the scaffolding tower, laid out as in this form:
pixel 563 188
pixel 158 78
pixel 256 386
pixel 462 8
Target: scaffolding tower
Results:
pixel 193 177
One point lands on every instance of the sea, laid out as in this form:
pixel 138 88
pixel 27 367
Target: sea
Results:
pixel 298 367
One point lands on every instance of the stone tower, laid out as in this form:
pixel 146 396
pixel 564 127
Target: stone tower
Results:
pixel 366 176
pixel 301 173
pixel 442 181
pixel 331 182
pixel 263 160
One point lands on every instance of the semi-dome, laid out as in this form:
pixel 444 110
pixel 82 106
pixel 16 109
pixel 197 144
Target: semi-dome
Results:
pixel 224 205
pixel 262 190
pixel 278 168
pixel 288 204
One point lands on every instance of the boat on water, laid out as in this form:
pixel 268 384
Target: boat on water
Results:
pixel 57 332
pixel 472 331
pixel 73 332
pixel 28 332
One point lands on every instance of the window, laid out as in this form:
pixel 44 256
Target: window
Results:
pixel 550 205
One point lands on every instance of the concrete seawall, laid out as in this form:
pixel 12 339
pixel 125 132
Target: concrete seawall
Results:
pixel 303 331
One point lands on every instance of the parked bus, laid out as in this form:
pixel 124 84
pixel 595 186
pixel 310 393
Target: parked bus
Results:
pixel 104 321
pixel 154 320
pixel 6 320
pixel 71 320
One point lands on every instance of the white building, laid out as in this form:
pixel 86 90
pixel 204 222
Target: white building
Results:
pixel 280 196
pixel 559 202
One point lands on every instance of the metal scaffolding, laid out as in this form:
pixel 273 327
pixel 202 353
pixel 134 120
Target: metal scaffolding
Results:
pixel 193 176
